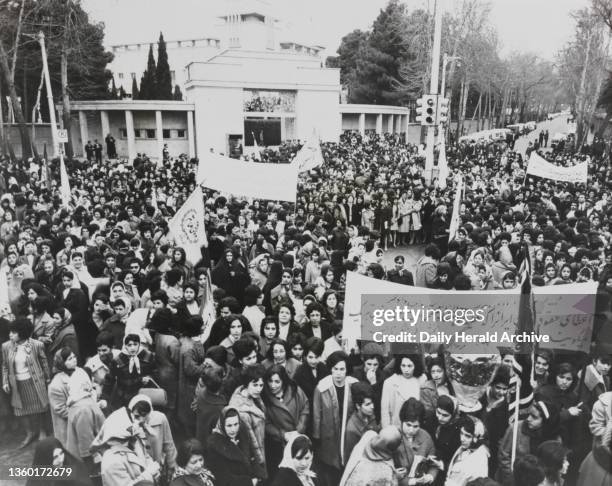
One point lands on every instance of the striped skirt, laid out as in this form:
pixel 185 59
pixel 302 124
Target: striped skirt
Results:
pixel 30 401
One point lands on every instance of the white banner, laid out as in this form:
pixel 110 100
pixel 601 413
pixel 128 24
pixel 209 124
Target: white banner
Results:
pixel 187 227
pixel 563 312
pixel 540 167
pixel 277 182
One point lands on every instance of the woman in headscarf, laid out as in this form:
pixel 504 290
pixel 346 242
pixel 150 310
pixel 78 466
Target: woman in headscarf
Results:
pixel 150 430
pixel 371 461
pixel 190 470
pixel 295 467
pixel 50 452
pixel 14 281
pixel 123 462
pixel 229 451
pixel 71 296
pixel 65 334
pixel 64 364
pixel 230 276
pixel 130 370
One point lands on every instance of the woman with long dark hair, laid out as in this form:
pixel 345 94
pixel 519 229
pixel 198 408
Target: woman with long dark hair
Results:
pixel 51 453
pixel 287 412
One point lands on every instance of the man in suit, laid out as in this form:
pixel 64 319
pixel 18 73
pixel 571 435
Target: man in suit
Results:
pixel 30 257
pixel 98 151
pixel 399 274
pixel 89 150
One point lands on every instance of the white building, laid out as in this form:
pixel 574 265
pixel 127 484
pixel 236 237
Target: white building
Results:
pixel 246 24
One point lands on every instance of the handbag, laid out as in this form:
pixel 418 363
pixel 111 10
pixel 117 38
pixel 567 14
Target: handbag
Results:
pixel 399 220
pixel 158 396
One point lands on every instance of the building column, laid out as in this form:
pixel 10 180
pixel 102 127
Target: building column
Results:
pixel 398 124
pixel 190 134
pixel 390 124
pixel 362 124
pixel 159 131
pixel 131 142
pixel 105 124
pixel 84 131
pixel 379 123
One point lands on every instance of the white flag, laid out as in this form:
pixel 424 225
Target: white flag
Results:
pixel 64 183
pixel 208 310
pixel 310 155
pixel 442 162
pixel 187 226
pixel 454 223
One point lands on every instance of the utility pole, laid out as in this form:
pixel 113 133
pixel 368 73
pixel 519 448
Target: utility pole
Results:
pixel 434 88
pixel 43 49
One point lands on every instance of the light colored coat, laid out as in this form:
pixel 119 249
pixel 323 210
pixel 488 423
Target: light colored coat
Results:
pixel 601 417
pixel 58 396
pixel 467 466
pixel 121 466
pixel 85 419
pixel 396 390
pixel 326 424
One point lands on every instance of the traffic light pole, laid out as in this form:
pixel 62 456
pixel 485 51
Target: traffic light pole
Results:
pixel 434 89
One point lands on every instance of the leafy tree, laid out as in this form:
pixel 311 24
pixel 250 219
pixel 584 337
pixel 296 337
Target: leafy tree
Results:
pixel 148 82
pixel 163 78
pixel 75 50
pixel 135 94
pixel 379 61
pixel 348 53
pixel 177 95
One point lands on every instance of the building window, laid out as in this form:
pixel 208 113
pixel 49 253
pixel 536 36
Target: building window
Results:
pixel 123 133
pixel 120 75
pixel 180 133
pixel 138 133
pixel 166 133
pixel 150 132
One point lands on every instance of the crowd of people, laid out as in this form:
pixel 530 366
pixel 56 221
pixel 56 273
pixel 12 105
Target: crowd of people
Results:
pixel 107 369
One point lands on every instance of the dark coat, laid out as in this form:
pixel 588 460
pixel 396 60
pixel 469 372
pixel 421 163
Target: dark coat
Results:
pixel 307 381
pixel 120 385
pixel 167 350
pixel 208 408
pixel 191 366
pixel 404 278
pixel 230 463
pixel 325 330
pixel 288 477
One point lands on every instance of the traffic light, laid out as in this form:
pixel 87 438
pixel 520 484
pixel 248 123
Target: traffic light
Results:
pixel 442 116
pixel 426 110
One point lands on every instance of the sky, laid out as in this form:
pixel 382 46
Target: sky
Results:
pixel 538 26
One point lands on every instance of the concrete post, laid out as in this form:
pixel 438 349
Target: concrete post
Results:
pixel 190 134
pixel 129 127
pixel 84 131
pixel 159 131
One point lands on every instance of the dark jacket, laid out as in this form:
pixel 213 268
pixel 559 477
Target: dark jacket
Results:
pixel 288 477
pixel 120 386
pixel 229 462
pixel 208 408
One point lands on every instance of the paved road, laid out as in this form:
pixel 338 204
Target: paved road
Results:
pixel 557 125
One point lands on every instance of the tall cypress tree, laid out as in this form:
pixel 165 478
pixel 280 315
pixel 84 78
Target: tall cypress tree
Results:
pixel 163 79
pixel 148 83
pixel 135 94
pixel 178 95
pixel 113 91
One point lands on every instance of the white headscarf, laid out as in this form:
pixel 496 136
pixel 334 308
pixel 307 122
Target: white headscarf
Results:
pixel 134 361
pixel 305 477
